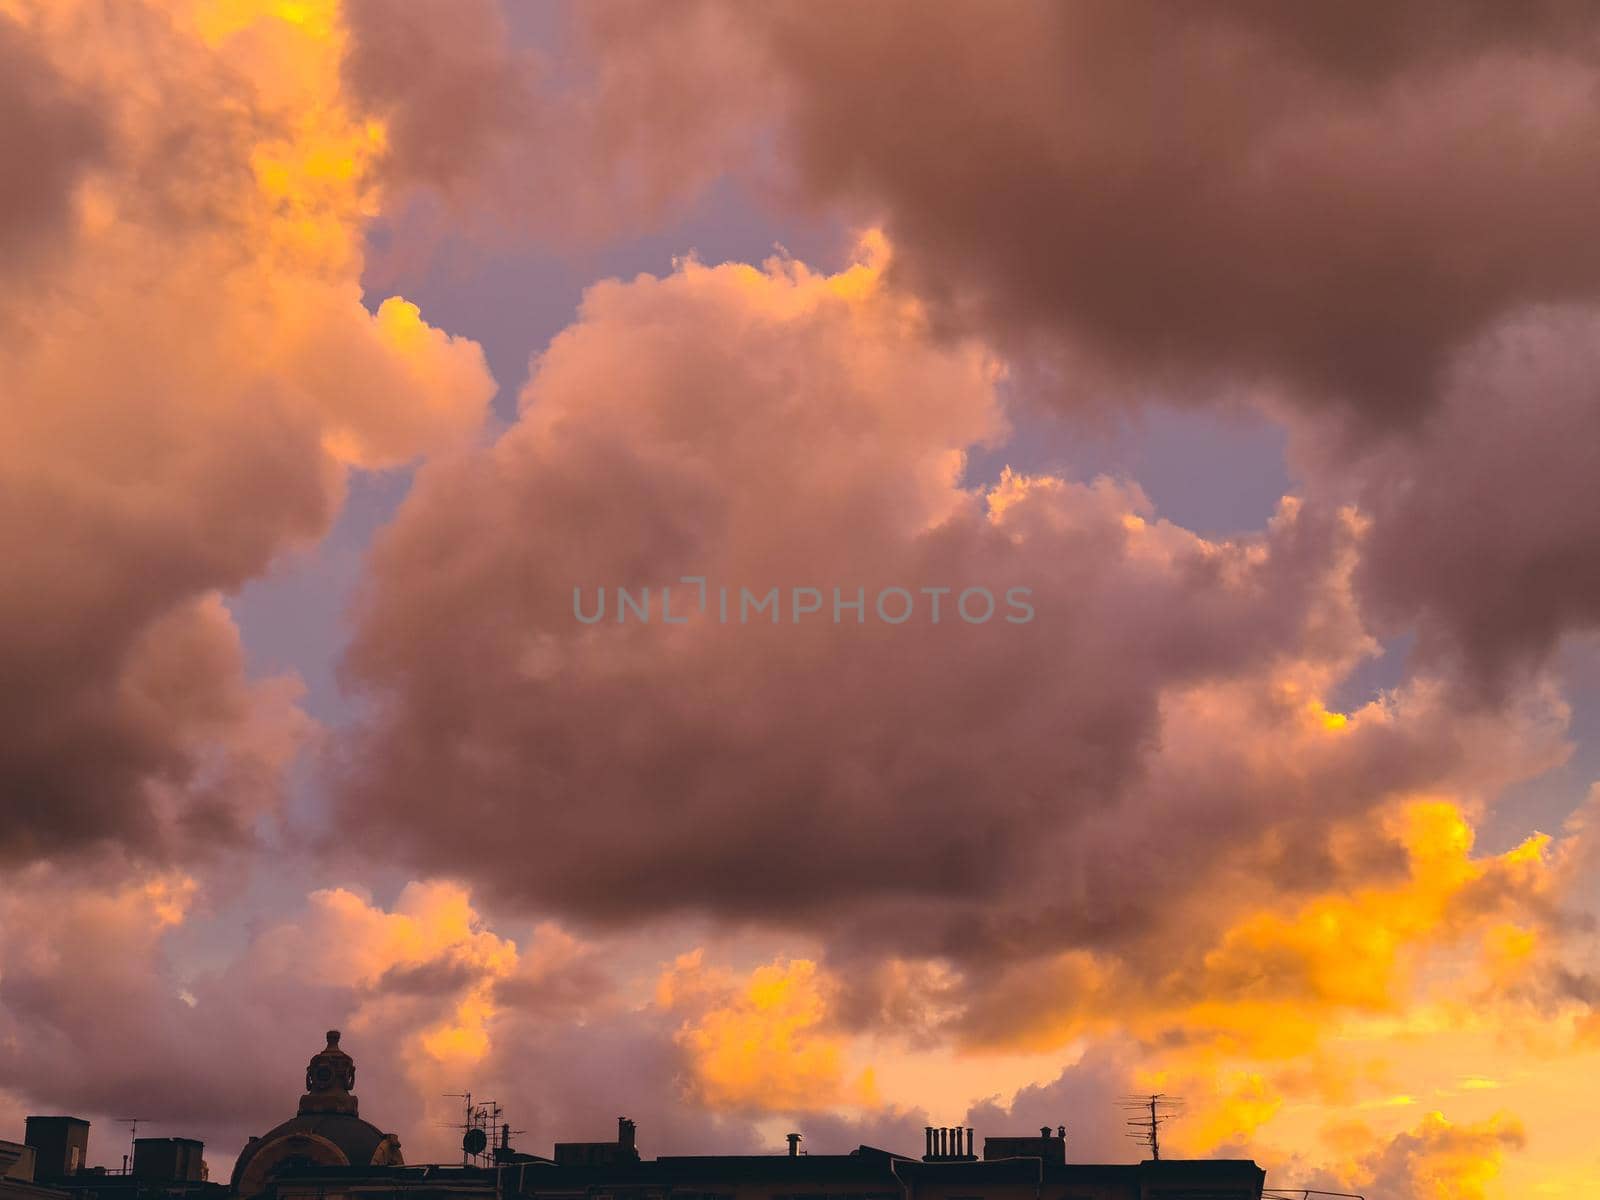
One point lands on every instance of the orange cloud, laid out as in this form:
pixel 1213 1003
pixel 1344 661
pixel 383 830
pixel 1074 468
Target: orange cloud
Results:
pixel 761 1042
pixel 1437 1160
pixel 195 370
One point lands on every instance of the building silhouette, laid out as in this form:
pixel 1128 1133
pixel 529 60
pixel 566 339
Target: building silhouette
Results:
pixel 327 1152
pixel 51 1164
pixel 324 1132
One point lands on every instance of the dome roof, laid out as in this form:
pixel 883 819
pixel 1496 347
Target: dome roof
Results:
pixel 330 1077
pixel 325 1132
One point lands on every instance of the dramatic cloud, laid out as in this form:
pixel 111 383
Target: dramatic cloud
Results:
pixel 1333 211
pixel 795 851
pixel 1332 200
pixel 756 1044
pixel 184 391
pixel 1192 200
pixel 781 429
pixel 1435 1161
pixel 95 1012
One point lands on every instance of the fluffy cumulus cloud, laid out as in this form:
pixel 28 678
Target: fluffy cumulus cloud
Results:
pixel 186 380
pixel 780 429
pixel 1435 1160
pixel 1333 212
pixel 1370 213
pixel 985 789
pixel 756 1043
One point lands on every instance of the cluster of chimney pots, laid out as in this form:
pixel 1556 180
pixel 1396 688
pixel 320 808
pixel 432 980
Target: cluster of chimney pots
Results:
pixel 946 1142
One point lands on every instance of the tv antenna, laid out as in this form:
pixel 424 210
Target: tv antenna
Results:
pixel 480 1123
pixel 133 1136
pixel 466 1123
pixel 1145 1127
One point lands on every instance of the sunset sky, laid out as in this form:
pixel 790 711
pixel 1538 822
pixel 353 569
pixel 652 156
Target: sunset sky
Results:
pixel 341 340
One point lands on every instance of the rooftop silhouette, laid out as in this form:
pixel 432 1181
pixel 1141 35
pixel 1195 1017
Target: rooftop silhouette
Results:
pixel 326 1151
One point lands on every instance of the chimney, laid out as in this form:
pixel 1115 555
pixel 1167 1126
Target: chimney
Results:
pixel 927 1134
pixel 60 1146
pixel 1044 1131
pixel 969 1142
pixel 794 1145
pixel 625 1133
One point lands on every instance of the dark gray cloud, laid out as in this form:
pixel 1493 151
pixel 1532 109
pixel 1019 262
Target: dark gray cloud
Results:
pixel 1239 194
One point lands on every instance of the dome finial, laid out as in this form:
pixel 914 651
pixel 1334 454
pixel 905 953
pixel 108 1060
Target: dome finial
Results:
pixel 330 1077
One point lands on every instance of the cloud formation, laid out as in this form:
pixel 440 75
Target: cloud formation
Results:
pixel 1329 214
pixel 780 428
pixel 1328 204
pixel 185 390
pixel 1484 521
pixel 1134 834
pixel 1436 1160
pixel 1333 202
pixel 634 114
pixel 96 1011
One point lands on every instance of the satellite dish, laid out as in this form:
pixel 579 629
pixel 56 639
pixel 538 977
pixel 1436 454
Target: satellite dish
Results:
pixel 475 1141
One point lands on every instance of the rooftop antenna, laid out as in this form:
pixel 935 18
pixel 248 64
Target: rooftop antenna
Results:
pixel 466 1124
pixel 133 1135
pixel 480 1125
pixel 1145 1128
pixel 483 1121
